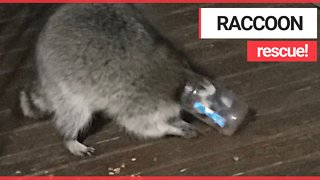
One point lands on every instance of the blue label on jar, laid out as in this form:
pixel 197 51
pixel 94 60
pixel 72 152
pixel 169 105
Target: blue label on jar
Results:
pixel 210 113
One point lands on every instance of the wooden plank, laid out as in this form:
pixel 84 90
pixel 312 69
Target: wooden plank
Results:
pixel 215 65
pixel 169 156
pixel 18 28
pixel 11 120
pixel 251 156
pixel 282 98
pixel 11 12
pixel 302 165
pixel 9 100
pixel 45 156
pixel 266 78
pixel 19 43
pixel 16 79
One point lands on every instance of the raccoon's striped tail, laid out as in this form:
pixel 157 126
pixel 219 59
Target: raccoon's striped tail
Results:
pixel 32 103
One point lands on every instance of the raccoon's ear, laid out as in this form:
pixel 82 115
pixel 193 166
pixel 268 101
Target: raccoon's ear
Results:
pixel 211 89
pixel 208 90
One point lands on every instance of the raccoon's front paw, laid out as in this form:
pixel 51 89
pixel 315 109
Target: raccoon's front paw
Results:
pixel 186 130
pixel 189 131
pixel 79 149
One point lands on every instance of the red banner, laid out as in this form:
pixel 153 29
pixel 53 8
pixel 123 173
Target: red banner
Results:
pixel 159 1
pixel 282 51
pixel 158 178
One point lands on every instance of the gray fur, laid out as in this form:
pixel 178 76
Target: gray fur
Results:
pixel 105 57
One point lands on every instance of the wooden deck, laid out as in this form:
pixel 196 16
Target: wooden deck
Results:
pixel 283 140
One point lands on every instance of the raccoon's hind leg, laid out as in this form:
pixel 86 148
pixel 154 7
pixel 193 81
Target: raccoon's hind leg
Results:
pixel 33 102
pixel 71 117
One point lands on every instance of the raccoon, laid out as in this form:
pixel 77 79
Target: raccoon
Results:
pixel 107 58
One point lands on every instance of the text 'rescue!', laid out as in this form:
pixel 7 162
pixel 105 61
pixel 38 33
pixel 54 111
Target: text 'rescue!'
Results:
pixel 282 51
pixel 258 23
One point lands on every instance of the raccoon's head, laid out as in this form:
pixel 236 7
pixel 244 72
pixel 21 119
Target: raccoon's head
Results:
pixel 201 88
pixel 205 88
